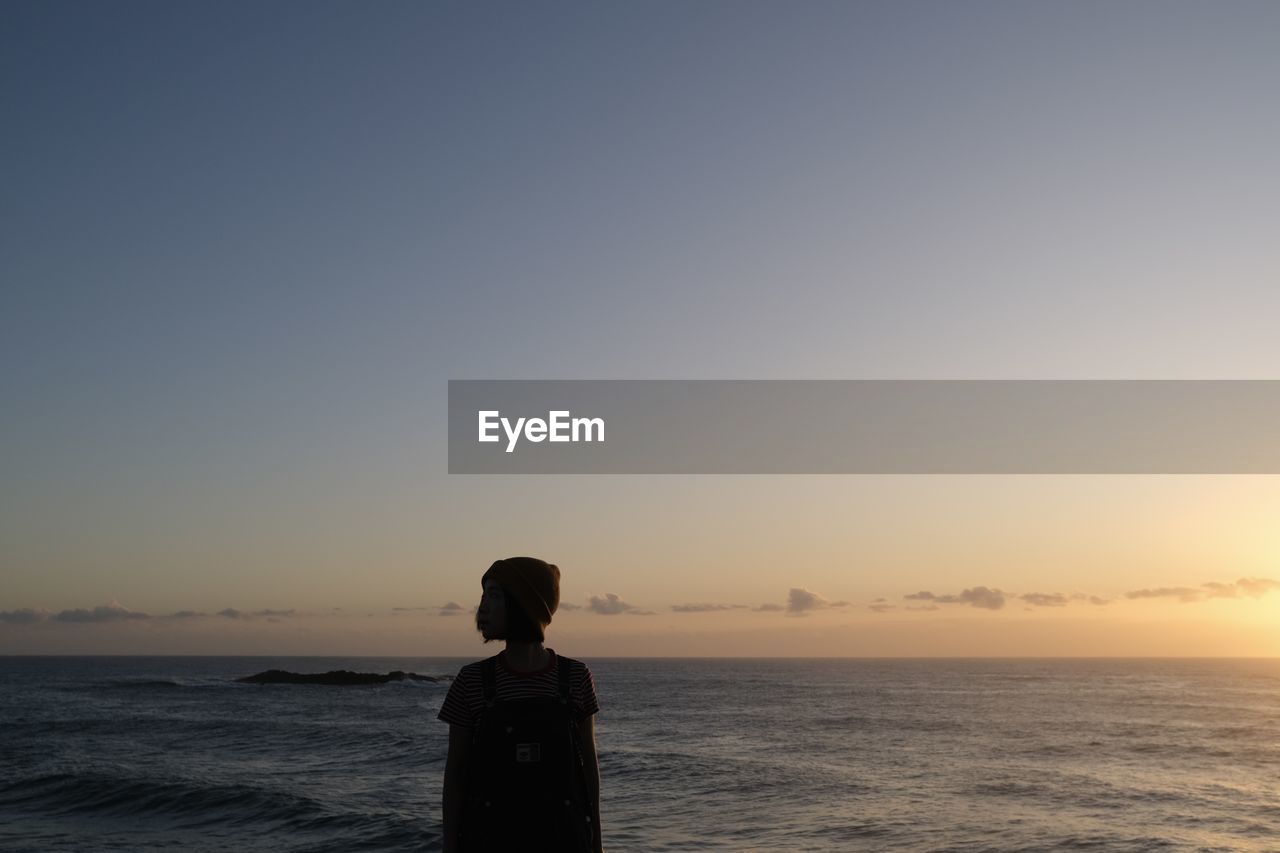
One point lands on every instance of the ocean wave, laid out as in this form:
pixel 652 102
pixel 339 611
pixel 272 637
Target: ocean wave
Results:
pixel 99 801
pixel 187 800
pixel 138 684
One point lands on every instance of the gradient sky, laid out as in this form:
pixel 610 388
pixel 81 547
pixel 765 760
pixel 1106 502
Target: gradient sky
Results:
pixel 244 247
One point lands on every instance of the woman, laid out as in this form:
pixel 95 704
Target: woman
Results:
pixel 522 771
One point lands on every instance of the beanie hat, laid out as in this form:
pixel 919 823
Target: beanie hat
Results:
pixel 532 582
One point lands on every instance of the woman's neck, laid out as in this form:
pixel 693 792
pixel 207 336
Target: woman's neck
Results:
pixel 526 657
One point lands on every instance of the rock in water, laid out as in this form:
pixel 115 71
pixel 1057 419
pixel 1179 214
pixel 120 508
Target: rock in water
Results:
pixel 336 676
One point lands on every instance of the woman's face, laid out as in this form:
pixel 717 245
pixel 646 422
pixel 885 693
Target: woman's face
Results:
pixel 491 616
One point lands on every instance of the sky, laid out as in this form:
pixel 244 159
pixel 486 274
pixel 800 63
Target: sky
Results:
pixel 245 246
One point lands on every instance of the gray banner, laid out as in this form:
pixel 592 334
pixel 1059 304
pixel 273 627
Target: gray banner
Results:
pixel 864 426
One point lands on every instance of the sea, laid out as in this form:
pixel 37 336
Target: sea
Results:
pixel 171 753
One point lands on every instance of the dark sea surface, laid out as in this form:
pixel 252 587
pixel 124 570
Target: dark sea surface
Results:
pixel 1128 755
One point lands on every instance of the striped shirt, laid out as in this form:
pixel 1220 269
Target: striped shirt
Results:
pixel 465 700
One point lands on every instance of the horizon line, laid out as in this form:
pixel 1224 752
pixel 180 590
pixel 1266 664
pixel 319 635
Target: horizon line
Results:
pixel 682 657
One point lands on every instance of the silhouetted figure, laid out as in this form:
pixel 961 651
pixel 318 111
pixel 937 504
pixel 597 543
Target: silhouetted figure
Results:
pixel 522 772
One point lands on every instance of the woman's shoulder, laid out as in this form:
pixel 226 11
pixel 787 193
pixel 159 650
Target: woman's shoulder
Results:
pixel 583 685
pixel 473 669
pixel 577 668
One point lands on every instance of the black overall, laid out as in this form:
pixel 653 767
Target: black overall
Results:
pixel 526 784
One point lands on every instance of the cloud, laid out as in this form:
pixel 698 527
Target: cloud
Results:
pixel 110 612
pixel 1184 594
pixel 114 612
pixel 1092 599
pixel 23 616
pixel 233 613
pixel 641 613
pixel 452 608
pixel 1251 587
pixel 768 608
pixel 705 607
pixel 1256 587
pixel 564 605
pixel 801 601
pixel 879 606
pixel 978 596
pixel 608 604
pixel 981 596
pixel 1045 599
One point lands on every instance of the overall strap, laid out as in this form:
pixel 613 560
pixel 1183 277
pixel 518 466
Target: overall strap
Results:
pixel 489 680
pixel 579 765
pixel 562 666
